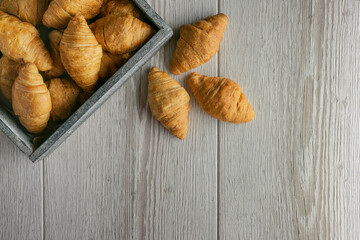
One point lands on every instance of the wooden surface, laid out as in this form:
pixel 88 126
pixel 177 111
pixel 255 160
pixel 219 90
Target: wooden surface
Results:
pixel 289 174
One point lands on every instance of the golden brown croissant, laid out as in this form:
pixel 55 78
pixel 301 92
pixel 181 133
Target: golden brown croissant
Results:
pixel 221 98
pixel 110 63
pixel 58 69
pixel 120 7
pixel 31 99
pixel 60 12
pixel 9 71
pixel 64 95
pixel 169 102
pixel 198 43
pixel 120 34
pixel 80 53
pixel 21 42
pixel 31 11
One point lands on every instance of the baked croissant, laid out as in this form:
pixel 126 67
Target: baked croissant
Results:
pixel 58 69
pixel 169 102
pixel 198 43
pixel 120 34
pixel 120 7
pixel 64 95
pixel 21 42
pixel 221 98
pixel 31 11
pixel 60 12
pixel 80 53
pixel 9 71
pixel 31 99
pixel 110 63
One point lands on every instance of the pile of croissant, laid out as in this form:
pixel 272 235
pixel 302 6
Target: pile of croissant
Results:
pixel 221 98
pixel 78 59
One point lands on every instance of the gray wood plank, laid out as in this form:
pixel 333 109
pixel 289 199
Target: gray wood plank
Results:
pixel 291 173
pixel 21 194
pixel 121 175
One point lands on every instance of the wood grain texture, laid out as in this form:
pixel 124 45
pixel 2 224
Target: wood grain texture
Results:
pixel 21 194
pixel 123 176
pixel 291 173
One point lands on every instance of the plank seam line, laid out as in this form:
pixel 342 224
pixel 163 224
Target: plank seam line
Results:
pixel 218 157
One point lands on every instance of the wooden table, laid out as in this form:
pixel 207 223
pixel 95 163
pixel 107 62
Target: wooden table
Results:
pixel 289 174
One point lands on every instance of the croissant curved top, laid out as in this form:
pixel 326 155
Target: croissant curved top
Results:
pixel 29 76
pixel 160 81
pixel 78 34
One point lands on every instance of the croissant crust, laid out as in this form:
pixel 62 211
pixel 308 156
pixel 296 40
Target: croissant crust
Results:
pixel 221 98
pixel 198 43
pixel 169 102
pixel 31 99
pixel 80 53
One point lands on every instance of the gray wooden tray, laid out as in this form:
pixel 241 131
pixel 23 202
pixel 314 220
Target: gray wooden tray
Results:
pixel 17 134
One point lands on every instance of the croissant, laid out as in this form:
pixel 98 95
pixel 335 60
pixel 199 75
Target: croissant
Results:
pixel 120 7
pixel 221 98
pixel 9 71
pixel 120 34
pixel 80 53
pixel 30 11
pixel 21 42
pixel 31 99
pixel 64 95
pixel 198 43
pixel 58 69
pixel 110 63
pixel 60 12
pixel 169 102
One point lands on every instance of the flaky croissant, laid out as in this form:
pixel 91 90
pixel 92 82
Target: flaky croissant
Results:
pixel 221 98
pixel 9 70
pixel 120 34
pixel 54 40
pixel 31 11
pixel 64 95
pixel 31 99
pixel 110 63
pixel 21 42
pixel 169 102
pixel 80 53
pixel 198 43
pixel 120 7
pixel 60 12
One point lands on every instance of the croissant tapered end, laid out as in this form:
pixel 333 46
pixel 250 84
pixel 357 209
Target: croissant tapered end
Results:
pixel 31 99
pixel 198 43
pixel 169 102
pixel 221 98
pixel 245 111
pixel 81 54
pixel 9 71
